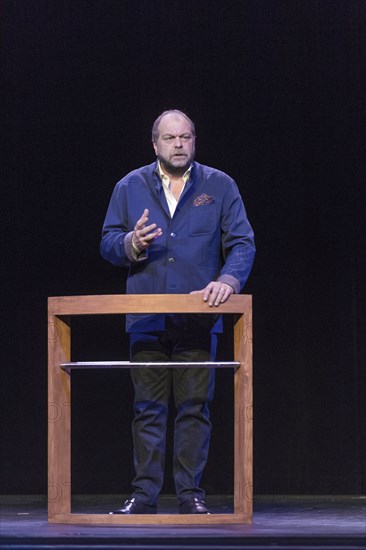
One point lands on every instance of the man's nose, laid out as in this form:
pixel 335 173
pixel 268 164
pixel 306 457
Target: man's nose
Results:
pixel 177 141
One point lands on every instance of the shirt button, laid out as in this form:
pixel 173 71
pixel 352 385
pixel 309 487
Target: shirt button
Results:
pixel 173 235
pixel 171 260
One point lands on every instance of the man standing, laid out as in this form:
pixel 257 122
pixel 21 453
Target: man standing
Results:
pixel 179 227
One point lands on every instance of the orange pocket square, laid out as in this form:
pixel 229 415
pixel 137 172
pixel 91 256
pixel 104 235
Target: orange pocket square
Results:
pixel 203 200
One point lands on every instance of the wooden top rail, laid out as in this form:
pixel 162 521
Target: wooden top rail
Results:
pixel 144 303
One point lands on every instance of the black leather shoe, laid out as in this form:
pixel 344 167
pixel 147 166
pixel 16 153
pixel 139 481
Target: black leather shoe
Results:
pixel 135 506
pixel 194 506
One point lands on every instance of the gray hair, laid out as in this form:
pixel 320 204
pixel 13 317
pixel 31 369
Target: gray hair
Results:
pixel 155 128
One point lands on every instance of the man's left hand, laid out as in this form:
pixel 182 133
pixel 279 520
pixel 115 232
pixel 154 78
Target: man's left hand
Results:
pixel 215 293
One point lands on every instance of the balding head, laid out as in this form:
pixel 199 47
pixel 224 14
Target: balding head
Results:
pixel 155 128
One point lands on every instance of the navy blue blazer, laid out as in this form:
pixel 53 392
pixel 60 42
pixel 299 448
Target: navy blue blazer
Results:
pixel 208 238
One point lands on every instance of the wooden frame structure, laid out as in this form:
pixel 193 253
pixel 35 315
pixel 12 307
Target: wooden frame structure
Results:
pixel 60 311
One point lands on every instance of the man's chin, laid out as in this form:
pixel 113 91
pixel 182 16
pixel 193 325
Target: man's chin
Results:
pixel 176 168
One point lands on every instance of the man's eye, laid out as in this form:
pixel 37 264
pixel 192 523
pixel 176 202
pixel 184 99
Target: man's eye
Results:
pixel 168 139
pixel 185 137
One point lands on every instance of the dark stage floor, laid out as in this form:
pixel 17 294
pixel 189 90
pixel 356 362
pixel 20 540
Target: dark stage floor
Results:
pixel 332 522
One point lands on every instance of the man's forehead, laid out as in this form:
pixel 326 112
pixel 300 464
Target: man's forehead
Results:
pixel 174 121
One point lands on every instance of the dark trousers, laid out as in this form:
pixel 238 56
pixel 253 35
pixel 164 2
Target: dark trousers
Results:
pixel 192 390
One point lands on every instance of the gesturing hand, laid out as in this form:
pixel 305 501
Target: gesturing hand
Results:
pixel 143 235
pixel 215 293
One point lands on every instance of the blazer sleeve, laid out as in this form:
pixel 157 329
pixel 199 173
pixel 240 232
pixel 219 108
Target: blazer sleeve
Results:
pixel 237 240
pixel 116 244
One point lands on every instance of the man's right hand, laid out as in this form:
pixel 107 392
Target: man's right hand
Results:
pixel 143 235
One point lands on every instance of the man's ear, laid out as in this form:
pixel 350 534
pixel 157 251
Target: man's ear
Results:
pixel 155 149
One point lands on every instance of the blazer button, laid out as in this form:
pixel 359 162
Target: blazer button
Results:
pixel 173 235
pixel 171 260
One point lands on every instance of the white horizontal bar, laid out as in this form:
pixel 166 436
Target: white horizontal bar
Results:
pixel 130 364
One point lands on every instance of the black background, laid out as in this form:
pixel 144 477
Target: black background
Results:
pixel 276 91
